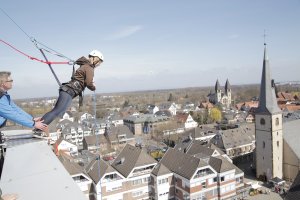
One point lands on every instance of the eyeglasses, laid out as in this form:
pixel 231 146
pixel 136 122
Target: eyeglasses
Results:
pixel 10 80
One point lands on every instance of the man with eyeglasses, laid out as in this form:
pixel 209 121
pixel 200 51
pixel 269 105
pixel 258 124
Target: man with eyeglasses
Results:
pixel 9 110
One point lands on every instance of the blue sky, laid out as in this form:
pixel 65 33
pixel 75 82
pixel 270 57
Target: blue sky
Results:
pixel 151 44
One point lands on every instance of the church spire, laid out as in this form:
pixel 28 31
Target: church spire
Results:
pixel 267 98
pixel 227 86
pixel 217 86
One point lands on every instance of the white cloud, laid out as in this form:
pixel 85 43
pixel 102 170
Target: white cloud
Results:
pixel 124 32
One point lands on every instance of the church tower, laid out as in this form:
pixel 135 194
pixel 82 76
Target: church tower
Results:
pixel 228 93
pixel 268 128
pixel 218 92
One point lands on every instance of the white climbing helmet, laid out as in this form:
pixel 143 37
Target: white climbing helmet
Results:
pixel 96 53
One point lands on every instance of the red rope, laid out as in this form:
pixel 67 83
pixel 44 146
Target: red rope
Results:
pixel 32 58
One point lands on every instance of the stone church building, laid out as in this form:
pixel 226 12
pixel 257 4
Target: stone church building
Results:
pixel 220 97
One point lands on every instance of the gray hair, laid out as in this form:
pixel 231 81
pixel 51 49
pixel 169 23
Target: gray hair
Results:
pixel 3 76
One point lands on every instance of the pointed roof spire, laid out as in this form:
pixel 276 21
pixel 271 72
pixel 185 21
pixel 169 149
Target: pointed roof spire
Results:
pixel 217 86
pixel 227 86
pixel 267 98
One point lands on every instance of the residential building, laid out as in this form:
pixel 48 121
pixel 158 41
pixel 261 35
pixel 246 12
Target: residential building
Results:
pixel 119 136
pixel 65 146
pixel 75 132
pixel 162 183
pixel 78 174
pixel 94 143
pixel 205 105
pixel 152 109
pixel 171 107
pixel 134 164
pixel 107 182
pixel 201 176
pixel 200 133
pixel 236 142
pixel 143 123
pixel 68 115
pixel 186 119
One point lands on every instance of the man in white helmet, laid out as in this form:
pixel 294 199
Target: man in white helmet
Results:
pixel 82 78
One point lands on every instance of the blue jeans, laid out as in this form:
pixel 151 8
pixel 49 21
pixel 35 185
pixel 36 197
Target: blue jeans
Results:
pixel 63 102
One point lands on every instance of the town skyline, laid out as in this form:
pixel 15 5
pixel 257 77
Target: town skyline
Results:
pixel 177 45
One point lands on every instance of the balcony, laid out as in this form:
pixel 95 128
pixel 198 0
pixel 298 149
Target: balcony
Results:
pixel 203 172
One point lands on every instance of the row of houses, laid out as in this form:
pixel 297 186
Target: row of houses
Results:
pixel 198 172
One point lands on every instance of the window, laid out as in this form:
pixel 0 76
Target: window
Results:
pixel 264 144
pixel 203 184
pixel 277 121
pixel 215 179
pixel 138 193
pixel 262 121
pixel 146 180
pixel 277 143
pixel 162 181
pixel 137 182
pixel 222 178
pixel 186 196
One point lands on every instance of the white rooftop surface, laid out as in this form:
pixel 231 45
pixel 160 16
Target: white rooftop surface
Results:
pixel 34 172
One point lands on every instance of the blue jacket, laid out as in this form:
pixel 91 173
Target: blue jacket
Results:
pixel 9 110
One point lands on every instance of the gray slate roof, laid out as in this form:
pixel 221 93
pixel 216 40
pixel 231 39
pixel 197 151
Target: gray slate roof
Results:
pixel 120 130
pixel 160 169
pixel 98 167
pixel 198 147
pixel 182 164
pixel 94 139
pixel 267 99
pixel 131 157
pixel 233 138
pixel 72 167
pixel 221 164
pixel 199 132
pixel 145 118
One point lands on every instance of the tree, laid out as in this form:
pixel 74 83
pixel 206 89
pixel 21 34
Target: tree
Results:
pixel 201 117
pixel 126 103
pixel 171 98
pixel 215 115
